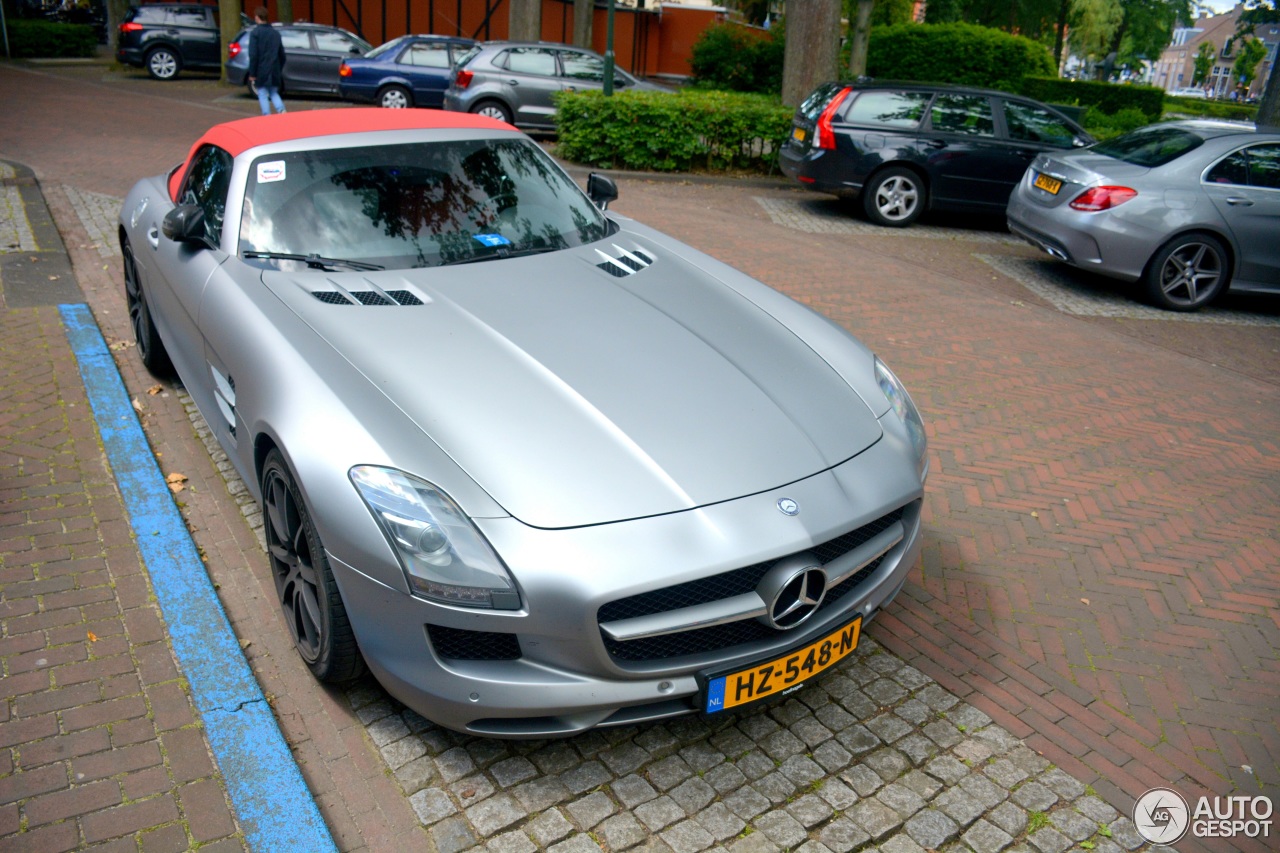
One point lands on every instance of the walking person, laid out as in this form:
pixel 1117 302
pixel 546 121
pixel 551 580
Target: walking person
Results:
pixel 266 62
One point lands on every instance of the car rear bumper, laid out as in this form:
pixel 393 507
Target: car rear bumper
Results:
pixel 819 169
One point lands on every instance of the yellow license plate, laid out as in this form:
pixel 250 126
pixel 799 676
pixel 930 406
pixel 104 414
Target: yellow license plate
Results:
pixel 798 134
pixel 783 674
pixel 1048 184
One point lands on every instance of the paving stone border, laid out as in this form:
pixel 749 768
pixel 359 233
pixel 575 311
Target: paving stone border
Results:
pixel 819 216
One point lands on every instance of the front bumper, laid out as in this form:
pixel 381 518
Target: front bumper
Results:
pixel 563 678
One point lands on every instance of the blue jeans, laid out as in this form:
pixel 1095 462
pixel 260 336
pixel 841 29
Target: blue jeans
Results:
pixel 272 93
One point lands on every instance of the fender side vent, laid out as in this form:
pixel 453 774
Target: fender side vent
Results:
pixel 626 263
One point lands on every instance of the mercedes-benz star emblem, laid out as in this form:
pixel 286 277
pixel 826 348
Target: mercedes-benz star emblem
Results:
pixel 788 507
pixel 798 598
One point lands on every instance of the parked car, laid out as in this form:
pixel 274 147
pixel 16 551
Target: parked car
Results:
pixel 410 71
pixel 1189 92
pixel 1188 208
pixel 905 148
pixel 312 55
pixel 541 467
pixel 165 38
pixel 514 81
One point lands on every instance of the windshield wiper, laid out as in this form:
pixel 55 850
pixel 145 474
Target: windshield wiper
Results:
pixel 502 252
pixel 314 261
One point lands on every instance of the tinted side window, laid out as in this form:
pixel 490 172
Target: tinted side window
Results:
pixel 206 185
pixel 895 109
pixel 146 14
pixel 295 39
pixel 333 42
pixel 1264 166
pixel 1233 170
pixel 189 18
pixel 582 67
pixel 968 114
pixel 531 60
pixel 427 55
pixel 1034 124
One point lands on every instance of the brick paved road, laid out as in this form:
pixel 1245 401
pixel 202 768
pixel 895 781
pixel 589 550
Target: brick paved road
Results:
pixel 1100 575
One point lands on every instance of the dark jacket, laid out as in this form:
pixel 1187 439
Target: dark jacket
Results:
pixel 266 56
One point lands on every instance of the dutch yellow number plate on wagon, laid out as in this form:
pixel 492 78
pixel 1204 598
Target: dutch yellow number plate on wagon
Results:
pixel 783 674
pixel 1048 184
pixel 798 133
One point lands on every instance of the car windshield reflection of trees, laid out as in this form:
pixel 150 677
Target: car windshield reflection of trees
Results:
pixel 414 205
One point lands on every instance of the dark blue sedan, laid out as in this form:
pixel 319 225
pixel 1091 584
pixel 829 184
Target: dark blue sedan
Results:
pixel 410 71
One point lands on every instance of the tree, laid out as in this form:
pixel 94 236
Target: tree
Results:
pixel 859 36
pixel 813 47
pixel 1265 12
pixel 1204 63
pixel 525 20
pixel 1245 68
pixel 584 12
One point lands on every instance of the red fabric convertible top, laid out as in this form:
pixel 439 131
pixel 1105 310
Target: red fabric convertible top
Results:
pixel 238 136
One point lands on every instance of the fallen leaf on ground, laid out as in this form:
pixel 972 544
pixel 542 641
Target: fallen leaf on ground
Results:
pixel 155 389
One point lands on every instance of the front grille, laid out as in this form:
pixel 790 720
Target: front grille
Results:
pixel 726 585
pixel 460 644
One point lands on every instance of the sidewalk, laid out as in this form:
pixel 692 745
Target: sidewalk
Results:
pixel 112 718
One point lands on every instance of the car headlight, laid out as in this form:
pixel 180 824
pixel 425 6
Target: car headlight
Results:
pixel 906 410
pixel 443 556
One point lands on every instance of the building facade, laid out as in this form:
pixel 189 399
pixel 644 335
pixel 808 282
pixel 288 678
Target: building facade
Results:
pixel 1176 67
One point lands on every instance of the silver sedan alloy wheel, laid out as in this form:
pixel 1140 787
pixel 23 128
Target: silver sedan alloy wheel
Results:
pixel 1188 272
pixel 894 198
pixel 395 98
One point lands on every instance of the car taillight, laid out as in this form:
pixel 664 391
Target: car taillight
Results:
pixel 1102 198
pixel 233 49
pixel 827 136
pixel 130 27
pixel 344 70
pixel 463 79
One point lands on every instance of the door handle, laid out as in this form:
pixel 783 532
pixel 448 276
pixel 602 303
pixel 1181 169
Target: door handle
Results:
pixel 1240 202
pixel 513 82
pixel 153 237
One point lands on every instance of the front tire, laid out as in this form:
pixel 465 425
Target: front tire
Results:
pixel 1188 272
pixel 894 198
pixel 395 98
pixel 150 348
pixel 493 109
pixel 309 597
pixel 163 63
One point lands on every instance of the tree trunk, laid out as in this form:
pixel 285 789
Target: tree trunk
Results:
pixel 1059 39
pixel 229 24
pixel 525 22
pixel 813 41
pixel 859 38
pixel 1269 106
pixel 115 17
pixel 584 12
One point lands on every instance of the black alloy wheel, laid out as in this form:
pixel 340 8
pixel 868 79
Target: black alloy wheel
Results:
pixel 1188 272
pixel 150 348
pixel 309 597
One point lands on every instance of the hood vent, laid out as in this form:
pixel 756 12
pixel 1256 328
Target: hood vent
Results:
pixel 366 297
pixel 626 263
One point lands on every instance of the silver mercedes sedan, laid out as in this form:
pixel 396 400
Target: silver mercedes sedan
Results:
pixel 539 467
pixel 1188 208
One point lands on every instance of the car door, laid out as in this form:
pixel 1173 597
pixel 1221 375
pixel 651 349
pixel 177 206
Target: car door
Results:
pixel 532 75
pixel 197 35
pixel 427 66
pixel 183 269
pixel 303 70
pixel 1245 188
pixel 331 47
pixel 968 165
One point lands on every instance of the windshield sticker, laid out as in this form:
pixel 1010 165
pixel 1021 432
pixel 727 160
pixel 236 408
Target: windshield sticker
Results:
pixel 491 239
pixel 271 172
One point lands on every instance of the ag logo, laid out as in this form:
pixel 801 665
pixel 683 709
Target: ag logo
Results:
pixel 1161 816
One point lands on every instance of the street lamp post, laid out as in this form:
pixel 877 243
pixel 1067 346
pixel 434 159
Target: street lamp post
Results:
pixel 608 52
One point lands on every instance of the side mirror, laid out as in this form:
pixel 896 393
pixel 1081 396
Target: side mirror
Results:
pixel 185 224
pixel 602 190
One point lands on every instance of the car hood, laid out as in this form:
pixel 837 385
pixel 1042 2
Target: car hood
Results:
pixel 575 396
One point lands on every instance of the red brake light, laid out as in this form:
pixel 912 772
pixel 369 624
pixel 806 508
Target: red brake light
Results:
pixel 233 49
pixel 1102 198
pixel 463 80
pixel 344 70
pixel 826 136
pixel 130 27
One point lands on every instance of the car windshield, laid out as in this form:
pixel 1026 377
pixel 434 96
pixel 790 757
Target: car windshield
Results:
pixel 385 48
pixel 415 205
pixel 1150 146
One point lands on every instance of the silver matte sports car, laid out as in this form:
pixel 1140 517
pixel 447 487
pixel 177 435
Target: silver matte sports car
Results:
pixel 1189 208
pixel 540 467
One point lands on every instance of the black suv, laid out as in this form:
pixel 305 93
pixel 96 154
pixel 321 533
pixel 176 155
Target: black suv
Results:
pixel 905 148
pixel 164 38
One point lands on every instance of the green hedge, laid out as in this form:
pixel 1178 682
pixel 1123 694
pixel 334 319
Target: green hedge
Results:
pixel 1106 97
pixel 50 40
pixel 665 132
pixel 1204 108
pixel 957 53
pixel 728 56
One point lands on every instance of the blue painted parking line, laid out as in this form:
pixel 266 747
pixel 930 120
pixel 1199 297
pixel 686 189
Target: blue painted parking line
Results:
pixel 267 791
